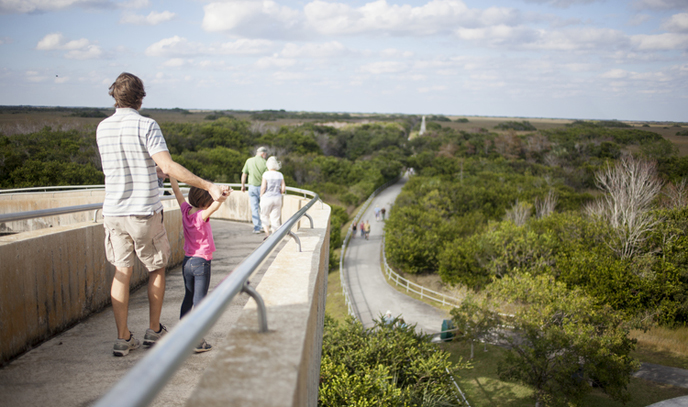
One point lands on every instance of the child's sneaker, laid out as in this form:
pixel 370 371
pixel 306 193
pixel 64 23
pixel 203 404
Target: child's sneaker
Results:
pixel 151 336
pixel 203 347
pixel 123 346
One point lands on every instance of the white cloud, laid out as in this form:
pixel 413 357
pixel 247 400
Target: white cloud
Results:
pixel 173 46
pixel 580 39
pixel 274 61
pixel 154 18
pixel 660 4
pixel 434 17
pixel 678 23
pixel 135 4
pixel 660 42
pixel 179 47
pixel 561 3
pixel 250 18
pixel 615 74
pixel 77 49
pixel 638 19
pixel 243 46
pixel 35 76
pixel 175 62
pixel 61 79
pixel 384 67
pixel 331 49
pixel 428 89
pixel 37 6
pixel 499 35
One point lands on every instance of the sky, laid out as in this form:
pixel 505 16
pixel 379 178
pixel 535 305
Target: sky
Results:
pixel 574 59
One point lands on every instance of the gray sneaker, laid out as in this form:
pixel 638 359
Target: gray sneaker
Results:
pixel 151 336
pixel 123 346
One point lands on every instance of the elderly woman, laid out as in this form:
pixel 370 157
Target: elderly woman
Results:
pixel 271 190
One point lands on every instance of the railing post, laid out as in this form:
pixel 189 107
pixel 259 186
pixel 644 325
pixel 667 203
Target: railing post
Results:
pixel 262 311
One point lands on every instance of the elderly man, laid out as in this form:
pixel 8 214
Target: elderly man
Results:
pixel 253 170
pixel 130 147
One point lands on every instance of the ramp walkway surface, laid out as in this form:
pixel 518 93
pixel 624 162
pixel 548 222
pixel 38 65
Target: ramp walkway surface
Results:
pixel 372 296
pixel 77 367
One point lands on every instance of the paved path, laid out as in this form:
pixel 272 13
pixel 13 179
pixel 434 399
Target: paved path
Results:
pixel 371 295
pixel 77 367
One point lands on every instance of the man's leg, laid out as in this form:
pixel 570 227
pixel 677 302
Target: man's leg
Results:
pixel 254 201
pixel 156 294
pixel 119 294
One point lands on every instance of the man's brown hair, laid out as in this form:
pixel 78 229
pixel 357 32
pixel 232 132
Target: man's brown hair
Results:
pixel 128 91
pixel 200 198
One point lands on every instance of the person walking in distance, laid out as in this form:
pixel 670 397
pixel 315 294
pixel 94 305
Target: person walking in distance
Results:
pixel 353 228
pixel 382 212
pixel 271 189
pixel 130 146
pixel 253 172
pixel 361 227
pixel 198 247
pixel 367 229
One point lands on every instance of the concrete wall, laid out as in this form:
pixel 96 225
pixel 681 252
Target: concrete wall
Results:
pixel 280 367
pixel 52 278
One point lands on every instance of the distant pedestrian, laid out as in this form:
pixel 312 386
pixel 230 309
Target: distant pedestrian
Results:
pixel 271 189
pixel 382 212
pixel 253 172
pixel 377 214
pixel 130 147
pixel 198 247
pixel 353 228
pixel 361 227
pixel 367 229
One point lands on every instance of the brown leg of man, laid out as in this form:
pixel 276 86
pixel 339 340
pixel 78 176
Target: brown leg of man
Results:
pixel 119 293
pixel 156 294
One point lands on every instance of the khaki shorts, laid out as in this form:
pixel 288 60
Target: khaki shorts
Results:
pixel 144 234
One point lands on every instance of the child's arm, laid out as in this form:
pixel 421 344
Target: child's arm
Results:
pixel 177 192
pixel 205 214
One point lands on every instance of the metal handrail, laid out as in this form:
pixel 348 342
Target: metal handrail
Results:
pixel 41 213
pixel 145 380
pixel 394 276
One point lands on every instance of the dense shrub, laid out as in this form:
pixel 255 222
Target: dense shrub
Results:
pixel 386 365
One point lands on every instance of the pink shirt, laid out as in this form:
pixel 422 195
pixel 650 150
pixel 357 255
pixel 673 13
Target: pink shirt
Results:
pixel 198 236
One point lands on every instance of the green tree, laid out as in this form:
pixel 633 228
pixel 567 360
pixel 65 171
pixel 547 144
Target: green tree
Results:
pixel 561 341
pixel 386 365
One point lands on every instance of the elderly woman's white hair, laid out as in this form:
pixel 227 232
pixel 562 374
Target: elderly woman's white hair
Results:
pixel 273 164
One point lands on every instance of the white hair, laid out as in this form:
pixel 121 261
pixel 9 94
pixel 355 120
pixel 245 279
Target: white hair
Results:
pixel 273 164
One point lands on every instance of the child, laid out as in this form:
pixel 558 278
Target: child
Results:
pixel 198 246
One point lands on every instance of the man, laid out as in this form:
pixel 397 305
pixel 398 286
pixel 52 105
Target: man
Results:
pixel 130 147
pixel 253 170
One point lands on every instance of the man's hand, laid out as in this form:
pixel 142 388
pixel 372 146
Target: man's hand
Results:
pixel 216 191
pixel 160 173
pixel 243 188
pixel 225 194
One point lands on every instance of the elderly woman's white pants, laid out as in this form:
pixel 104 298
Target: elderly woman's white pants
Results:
pixel 270 211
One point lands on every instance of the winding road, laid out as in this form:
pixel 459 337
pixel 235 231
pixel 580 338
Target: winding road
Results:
pixel 370 293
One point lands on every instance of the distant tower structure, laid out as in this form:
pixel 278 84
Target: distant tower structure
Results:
pixel 422 127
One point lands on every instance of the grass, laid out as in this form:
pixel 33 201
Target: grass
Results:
pixel 663 346
pixel 483 387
